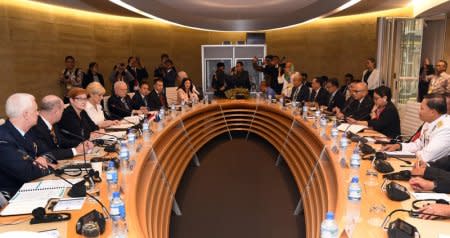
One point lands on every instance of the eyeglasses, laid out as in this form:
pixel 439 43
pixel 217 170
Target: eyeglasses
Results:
pixel 80 99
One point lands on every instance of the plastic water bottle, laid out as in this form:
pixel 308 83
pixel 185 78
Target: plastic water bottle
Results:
pixel 270 98
pixel 161 113
pixel 112 179
pixel 205 99
pixel 131 142
pixel 305 112
pixel 355 163
pixel 124 157
pixel 323 125
pixel 118 217
pixel 146 130
pixel 343 143
pixel 353 201
pixel 329 227
pixel 282 101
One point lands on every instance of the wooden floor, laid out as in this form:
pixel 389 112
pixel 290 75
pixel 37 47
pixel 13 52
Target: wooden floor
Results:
pixel 237 192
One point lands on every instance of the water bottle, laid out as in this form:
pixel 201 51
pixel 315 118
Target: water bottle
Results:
pixel 329 227
pixel 355 163
pixel 112 179
pixel 117 212
pixel 124 157
pixel 270 98
pixel 353 201
pixel 146 130
pixel 282 101
pixel 343 147
pixel 161 113
pixel 305 112
pixel 131 142
pixel 205 99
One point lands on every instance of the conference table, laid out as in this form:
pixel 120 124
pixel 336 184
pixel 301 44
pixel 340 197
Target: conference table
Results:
pixel 149 190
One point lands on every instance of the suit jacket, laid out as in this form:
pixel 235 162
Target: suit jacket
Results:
pixel 81 126
pixel 89 78
pixel 388 122
pixel 321 98
pixel 17 156
pixel 155 102
pixel 302 95
pixel 137 101
pixel 439 172
pixel 336 100
pixel 359 110
pixel 118 109
pixel 242 80
pixel 44 140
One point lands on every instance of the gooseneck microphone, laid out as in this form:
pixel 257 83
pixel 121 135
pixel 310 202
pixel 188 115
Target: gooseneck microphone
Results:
pixel 82 143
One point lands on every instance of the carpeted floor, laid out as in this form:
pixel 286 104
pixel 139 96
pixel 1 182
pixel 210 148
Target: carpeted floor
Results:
pixel 237 192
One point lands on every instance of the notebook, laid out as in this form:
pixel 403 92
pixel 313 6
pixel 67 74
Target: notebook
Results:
pixel 351 127
pixel 35 194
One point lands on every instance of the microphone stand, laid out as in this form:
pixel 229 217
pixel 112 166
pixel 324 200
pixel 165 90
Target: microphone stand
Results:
pixel 82 142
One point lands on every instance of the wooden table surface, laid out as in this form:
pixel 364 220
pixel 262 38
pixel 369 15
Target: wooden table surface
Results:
pixel 160 163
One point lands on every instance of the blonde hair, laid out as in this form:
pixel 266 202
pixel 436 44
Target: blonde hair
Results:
pixel 95 88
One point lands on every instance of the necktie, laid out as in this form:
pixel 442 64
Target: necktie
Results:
pixel 125 104
pixel 313 96
pixel 53 134
pixel 161 99
pixel 145 101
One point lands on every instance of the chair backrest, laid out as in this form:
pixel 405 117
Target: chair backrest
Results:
pixel 171 94
pixel 105 104
pixel 409 117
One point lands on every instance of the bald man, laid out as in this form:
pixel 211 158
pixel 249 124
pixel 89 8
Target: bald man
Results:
pixel 359 105
pixel 120 104
pixel 46 133
pixel 19 161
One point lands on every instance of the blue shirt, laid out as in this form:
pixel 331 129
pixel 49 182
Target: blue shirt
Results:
pixel 270 91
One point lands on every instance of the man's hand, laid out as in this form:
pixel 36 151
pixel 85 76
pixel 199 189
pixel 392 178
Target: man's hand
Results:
pixel 41 162
pixel 419 168
pixel 421 185
pixel 392 147
pixel 435 209
pixel 87 146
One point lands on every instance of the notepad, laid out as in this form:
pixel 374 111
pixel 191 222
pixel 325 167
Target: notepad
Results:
pixel 351 127
pixel 35 194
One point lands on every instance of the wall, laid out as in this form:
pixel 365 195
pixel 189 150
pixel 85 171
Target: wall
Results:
pixel 35 38
pixel 331 46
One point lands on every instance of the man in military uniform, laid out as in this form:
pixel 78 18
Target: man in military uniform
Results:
pixel 434 140
pixel 19 162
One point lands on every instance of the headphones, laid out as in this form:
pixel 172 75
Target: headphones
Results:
pixel 40 216
pixel 424 202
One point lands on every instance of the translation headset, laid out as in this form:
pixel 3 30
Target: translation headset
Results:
pixel 40 216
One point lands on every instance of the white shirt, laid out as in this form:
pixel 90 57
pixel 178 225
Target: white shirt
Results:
pixel 95 112
pixel 287 86
pixel 373 81
pixel 434 140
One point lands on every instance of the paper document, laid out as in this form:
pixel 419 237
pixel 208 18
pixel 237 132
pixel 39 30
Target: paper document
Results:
pixel 113 135
pixel 121 126
pixel 69 204
pixel 422 196
pixel 400 154
pixel 351 127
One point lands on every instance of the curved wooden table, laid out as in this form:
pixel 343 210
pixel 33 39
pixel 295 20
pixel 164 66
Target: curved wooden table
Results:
pixel 161 164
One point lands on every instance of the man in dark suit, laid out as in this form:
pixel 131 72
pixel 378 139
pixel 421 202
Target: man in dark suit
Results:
pixel 241 77
pixel 318 94
pixel 219 80
pixel 119 104
pixel 46 133
pixel 336 99
pixel 157 98
pixel 300 92
pixel 140 98
pixel 138 71
pixel 359 105
pixel 19 161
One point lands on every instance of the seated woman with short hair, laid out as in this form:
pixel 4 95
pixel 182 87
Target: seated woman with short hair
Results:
pixel 185 91
pixel 75 119
pixel 95 92
pixel 384 117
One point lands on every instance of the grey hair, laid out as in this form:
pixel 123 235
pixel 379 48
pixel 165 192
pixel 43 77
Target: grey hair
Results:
pixel 118 83
pixel 50 102
pixel 18 103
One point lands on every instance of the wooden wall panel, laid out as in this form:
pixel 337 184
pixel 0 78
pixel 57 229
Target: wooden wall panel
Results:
pixel 36 37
